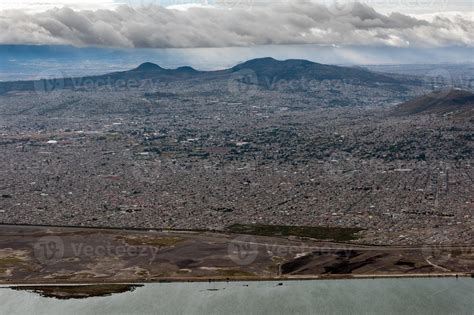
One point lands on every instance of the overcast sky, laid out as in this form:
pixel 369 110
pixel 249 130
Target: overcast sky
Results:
pixel 385 6
pixel 223 23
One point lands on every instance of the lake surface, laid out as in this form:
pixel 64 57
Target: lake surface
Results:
pixel 381 296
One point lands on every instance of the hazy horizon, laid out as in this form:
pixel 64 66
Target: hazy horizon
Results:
pixel 23 62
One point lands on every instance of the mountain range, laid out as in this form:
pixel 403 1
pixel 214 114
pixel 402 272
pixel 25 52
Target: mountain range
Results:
pixel 262 71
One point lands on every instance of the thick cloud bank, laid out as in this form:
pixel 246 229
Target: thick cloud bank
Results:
pixel 298 22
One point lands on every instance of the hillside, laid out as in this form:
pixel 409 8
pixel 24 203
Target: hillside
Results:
pixel 295 69
pixel 454 101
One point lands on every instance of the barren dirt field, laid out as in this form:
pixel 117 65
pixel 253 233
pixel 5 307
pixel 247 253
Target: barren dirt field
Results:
pixel 57 255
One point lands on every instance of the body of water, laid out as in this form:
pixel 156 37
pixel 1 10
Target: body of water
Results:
pixel 364 296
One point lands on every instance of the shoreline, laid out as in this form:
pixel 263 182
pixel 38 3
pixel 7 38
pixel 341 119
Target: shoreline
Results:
pixel 6 284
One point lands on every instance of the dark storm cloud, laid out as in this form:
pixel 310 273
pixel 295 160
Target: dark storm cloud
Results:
pixel 297 22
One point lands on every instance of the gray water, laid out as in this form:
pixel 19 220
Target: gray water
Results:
pixel 381 296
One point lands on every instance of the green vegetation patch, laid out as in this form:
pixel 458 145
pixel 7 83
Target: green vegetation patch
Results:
pixel 317 232
pixel 10 262
pixel 150 241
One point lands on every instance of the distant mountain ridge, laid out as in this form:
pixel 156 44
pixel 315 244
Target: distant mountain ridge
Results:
pixel 294 69
pixel 264 70
pixel 148 66
pixel 441 102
